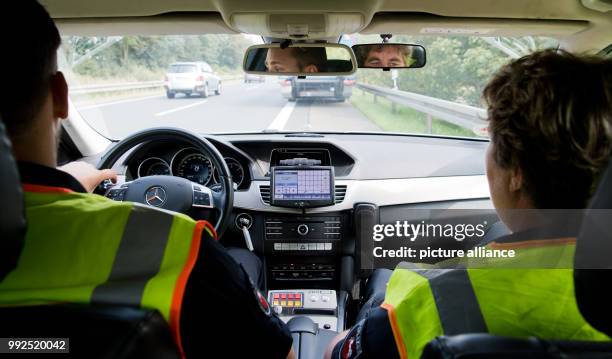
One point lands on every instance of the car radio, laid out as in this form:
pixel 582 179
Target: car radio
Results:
pixel 314 234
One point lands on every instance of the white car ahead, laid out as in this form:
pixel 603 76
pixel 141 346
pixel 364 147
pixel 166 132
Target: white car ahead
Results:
pixel 191 78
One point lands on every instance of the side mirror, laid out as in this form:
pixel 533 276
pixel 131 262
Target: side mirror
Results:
pixel 321 59
pixel 389 56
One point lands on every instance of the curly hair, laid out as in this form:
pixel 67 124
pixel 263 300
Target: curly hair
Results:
pixel 550 115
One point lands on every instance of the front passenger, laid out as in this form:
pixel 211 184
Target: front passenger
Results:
pixel 550 121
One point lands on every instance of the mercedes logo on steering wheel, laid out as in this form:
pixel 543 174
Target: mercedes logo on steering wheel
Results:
pixel 155 196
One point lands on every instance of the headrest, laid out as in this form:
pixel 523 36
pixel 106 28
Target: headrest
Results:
pixel 12 220
pixel 593 259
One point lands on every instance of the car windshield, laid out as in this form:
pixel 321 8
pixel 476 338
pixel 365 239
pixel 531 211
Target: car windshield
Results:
pixel 123 84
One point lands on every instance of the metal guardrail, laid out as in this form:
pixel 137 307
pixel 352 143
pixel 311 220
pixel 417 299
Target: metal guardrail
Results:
pixel 78 90
pixel 469 117
pixel 126 86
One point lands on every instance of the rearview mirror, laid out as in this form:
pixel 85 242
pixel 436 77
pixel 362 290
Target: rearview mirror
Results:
pixel 300 60
pixel 389 56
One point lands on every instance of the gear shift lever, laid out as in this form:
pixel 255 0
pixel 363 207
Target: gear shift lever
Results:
pixel 244 222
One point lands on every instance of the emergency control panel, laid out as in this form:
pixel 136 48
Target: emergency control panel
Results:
pixel 320 305
pixel 287 299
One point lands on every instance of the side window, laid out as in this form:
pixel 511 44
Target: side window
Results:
pixel 207 68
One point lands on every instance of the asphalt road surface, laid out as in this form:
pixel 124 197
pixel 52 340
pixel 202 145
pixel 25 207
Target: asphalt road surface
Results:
pixel 240 108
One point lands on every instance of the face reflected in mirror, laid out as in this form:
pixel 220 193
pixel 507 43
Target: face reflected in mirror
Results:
pixel 300 60
pixel 389 55
pixel 296 59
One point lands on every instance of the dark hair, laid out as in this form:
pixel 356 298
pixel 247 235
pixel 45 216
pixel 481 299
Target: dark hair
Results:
pixel 27 63
pixel 311 56
pixel 550 114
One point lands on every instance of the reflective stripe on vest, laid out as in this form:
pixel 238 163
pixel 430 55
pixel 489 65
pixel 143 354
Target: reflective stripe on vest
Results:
pixel 423 304
pixel 84 248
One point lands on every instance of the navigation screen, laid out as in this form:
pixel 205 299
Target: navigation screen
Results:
pixel 312 185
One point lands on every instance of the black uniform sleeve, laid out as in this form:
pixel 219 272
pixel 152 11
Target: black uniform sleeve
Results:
pixel 370 338
pixel 222 311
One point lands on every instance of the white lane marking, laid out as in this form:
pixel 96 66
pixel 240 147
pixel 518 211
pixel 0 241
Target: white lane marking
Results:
pixel 116 102
pixel 281 119
pixel 181 108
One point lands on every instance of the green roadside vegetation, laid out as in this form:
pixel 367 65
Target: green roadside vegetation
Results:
pixel 402 119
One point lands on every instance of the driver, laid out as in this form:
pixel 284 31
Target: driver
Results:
pixel 84 248
pixel 296 59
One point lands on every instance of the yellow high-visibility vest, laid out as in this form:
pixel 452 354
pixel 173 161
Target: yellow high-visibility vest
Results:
pixel 84 248
pixel 517 297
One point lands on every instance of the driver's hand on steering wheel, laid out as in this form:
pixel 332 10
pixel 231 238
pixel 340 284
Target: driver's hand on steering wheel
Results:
pixel 89 176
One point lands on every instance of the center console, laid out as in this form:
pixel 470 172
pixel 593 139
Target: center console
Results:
pixel 303 250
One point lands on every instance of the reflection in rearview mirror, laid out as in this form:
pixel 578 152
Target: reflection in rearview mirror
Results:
pixel 300 60
pixel 389 56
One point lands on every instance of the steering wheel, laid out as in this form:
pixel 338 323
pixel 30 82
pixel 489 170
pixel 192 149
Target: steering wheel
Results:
pixel 169 192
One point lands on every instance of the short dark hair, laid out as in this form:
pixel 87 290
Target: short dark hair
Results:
pixel 28 63
pixel 311 56
pixel 550 115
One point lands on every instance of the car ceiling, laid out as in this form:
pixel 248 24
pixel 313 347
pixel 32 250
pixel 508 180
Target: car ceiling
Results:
pixel 579 27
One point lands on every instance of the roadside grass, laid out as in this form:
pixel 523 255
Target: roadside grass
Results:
pixel 403 119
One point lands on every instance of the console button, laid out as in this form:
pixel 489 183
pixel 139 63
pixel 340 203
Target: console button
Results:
pixel 302 229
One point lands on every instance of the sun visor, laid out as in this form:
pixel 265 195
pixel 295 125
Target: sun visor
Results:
pixel 166 24
pixel 298 26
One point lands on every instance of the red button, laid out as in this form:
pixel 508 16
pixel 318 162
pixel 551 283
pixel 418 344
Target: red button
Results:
pixel 283 296
pixel 275 295
pixel 290 295
pixel 298 296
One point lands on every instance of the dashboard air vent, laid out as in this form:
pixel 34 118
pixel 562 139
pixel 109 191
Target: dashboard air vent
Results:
pixel 340 193
pixel 264 191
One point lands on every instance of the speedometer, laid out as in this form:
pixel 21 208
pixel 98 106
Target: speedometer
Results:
pixel 196 168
